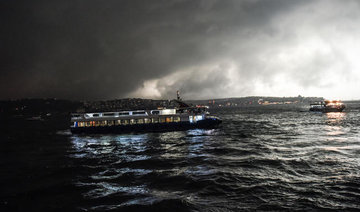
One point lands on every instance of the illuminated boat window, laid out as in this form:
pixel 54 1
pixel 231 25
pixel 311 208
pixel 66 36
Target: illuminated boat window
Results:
pixel 199 117
pixel 87 124
pixel 103 123
pixel 147 121
pixel 162 119
pixel 132 121
pixel 118 122
pixel 81 124
pixel 191 119
pixel 155 120
pixel 124 122
pixel 169 119
pixel 176 119
pixel 110 123
pixel 97 123
pixel 140 121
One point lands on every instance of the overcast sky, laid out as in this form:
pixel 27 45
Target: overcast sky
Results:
pixel 206 49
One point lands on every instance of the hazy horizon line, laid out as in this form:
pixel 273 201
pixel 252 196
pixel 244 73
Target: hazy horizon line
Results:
pixel 200 99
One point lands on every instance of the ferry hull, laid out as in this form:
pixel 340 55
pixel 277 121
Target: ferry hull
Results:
pixel 327 110
pixel 152 127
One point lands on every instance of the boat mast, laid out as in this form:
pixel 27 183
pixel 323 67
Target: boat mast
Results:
pixel 178 95
pixel 179 100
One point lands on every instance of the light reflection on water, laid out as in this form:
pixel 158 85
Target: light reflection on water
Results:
pixel 336 117
pixel 105 189
pixel 124 161
pixel 274 154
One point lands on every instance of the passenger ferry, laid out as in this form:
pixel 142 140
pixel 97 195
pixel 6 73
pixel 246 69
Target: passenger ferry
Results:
pixel 183 117
pixel 327 106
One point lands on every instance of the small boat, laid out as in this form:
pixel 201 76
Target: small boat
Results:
pixel 35 118
pixel 183 117
pixel 327 106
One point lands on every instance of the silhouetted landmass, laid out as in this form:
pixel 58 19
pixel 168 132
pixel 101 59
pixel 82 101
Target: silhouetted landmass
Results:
pixel 42 115
pixel 256 101
pixel 37 107
pixel 48 107
pixel 54 114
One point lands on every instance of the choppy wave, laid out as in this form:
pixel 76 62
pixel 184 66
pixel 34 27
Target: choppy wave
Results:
pixel 256 160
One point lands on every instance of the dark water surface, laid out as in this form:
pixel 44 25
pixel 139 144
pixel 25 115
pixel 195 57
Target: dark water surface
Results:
pixel 259 159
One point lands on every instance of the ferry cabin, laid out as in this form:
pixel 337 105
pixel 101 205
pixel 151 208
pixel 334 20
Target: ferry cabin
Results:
pixel 142 120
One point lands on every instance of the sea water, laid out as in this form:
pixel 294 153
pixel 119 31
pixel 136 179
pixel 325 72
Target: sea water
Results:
pixel 260 158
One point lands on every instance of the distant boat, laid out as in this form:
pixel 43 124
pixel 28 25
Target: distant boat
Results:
pixel 183 117
pixel 35 118
pixel 327 106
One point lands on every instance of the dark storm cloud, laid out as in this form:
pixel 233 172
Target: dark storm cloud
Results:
pixel 112 49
